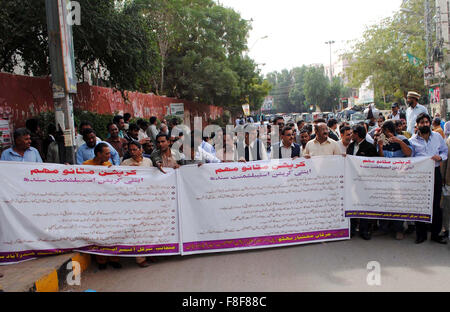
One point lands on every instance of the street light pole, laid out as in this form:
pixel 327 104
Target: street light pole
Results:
pixel 264 37
pixel 331 71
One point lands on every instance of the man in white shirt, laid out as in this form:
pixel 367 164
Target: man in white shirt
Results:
pixel 304 139
pixel 322 144
pixel 414 110
pixel 251 149
pixel 447 129
pixel 143 126
pixel 286 148
pixel 396 114
pixel 152 131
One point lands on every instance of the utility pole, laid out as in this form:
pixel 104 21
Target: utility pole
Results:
pixel 428 31
pixel 64 81
pixel 441 53
pixel 331 71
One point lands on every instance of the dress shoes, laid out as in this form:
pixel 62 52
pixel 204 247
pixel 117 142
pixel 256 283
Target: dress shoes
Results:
pixel 115 265
pixel 420 240
pixel 366 235
pixel 439 239
pixel 411 229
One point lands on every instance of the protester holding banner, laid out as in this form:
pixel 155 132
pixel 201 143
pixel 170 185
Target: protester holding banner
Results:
pixel 37 139
pixel 251 149
pixel 304 139
pixel 22 150
pixel 346 138
pixel 203 150
pixel 392 145
pixel 322 144
pixel 102 155
pixel 429 143
pixel 360 147
pixel 163 156
pixel 135 150
pixel 286 148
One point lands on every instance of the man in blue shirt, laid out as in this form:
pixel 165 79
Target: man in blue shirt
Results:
pixel 431 144
pixel 391 145
pixel 22 150
pixel 86 151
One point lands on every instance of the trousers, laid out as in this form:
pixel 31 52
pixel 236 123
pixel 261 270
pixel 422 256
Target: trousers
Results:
pixel 436 226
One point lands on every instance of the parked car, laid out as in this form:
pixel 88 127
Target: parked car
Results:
pixel 307 117
pixel 356 118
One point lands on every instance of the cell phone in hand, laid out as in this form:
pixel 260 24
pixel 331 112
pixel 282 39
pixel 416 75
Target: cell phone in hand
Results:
pixel 383 139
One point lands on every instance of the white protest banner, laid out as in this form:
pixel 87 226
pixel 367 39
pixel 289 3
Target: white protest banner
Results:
pixel 389 188
pixel 236 206
pixel 48 209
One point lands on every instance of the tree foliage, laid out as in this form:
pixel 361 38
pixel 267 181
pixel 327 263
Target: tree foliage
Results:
pixel 295 90
pixel 381 54
pixel 190 49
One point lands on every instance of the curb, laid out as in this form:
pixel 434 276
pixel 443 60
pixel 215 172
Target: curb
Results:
pixel 57 279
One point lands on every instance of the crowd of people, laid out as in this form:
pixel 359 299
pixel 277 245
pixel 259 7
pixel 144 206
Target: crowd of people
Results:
pixel 154 144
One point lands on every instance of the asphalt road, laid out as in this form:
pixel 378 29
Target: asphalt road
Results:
pixel 333 266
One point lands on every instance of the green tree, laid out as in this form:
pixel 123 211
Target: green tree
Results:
pixel 381 54
pixel 117 38
pixel 316 88
pixel 282 84
pixel 191 49
pixel 23 36
pixel 110 36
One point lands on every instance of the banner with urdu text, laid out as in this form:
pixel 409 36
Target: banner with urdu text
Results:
pixel 389 188
pixel 48 209
pixel 236 206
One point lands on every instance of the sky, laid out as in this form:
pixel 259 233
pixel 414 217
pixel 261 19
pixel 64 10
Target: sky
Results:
pixel 297 30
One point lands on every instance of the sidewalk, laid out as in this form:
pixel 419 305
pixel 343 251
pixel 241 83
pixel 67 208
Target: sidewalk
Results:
pixel 47 274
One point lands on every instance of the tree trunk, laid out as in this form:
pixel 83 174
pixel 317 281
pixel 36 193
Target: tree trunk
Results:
pixel 162 76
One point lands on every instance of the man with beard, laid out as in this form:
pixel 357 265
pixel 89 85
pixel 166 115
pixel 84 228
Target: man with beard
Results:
pixel 304 139
pixel 391 144
pixel 431 144
pixel 413 111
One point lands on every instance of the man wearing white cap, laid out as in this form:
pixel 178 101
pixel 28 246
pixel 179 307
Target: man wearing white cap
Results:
pixel 414 110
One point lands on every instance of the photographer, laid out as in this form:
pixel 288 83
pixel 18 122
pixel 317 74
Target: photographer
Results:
pixel 392 145
pixel 389 143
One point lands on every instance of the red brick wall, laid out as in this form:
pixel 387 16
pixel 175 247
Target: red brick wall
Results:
pixel 23 97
